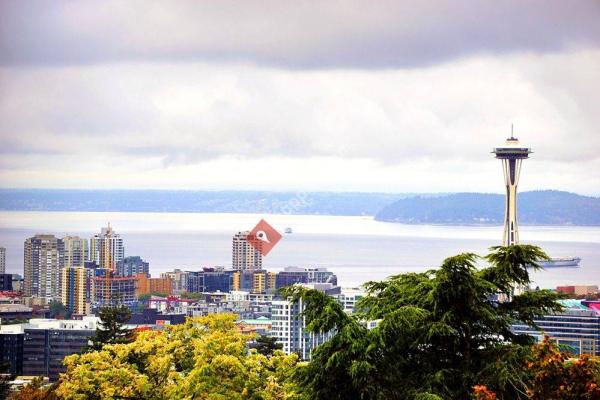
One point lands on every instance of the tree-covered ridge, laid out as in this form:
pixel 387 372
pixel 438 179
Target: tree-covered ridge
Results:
pixel 548 207
pixel 440 333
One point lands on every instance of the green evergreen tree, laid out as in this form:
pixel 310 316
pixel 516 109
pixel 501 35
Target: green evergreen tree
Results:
pixel 266 345
pixel 110 329
pixel 439 333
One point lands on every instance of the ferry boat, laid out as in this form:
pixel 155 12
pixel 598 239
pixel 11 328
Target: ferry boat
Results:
pixel 560 262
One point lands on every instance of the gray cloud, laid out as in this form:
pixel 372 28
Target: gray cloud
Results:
pixel 189 113
pixel 314 34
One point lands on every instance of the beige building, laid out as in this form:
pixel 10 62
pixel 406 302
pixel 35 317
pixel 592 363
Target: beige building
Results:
pixel 76 251
pixel 42 263
pixel 243 255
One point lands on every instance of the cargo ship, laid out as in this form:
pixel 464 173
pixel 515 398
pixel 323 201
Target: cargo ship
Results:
pixel 560 262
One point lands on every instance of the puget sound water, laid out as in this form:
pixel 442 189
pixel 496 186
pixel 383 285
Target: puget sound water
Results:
pixel 357 249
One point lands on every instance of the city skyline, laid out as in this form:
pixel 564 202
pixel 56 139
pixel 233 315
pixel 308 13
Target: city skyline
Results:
pixel 401 97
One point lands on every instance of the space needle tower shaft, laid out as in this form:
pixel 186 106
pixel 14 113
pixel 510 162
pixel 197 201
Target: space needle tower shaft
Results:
pixel 512 155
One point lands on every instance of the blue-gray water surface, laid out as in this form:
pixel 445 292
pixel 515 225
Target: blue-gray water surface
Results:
pixel 357 249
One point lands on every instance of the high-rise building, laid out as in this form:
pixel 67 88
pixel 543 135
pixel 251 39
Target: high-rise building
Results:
pixel 76 289
pixel 132 265
pixel 44 257
pixel 2 260
pixel 289 328
pixel 76 251
pixel 106 248
pixel 289 324
pixel 512 155
pixel 243 255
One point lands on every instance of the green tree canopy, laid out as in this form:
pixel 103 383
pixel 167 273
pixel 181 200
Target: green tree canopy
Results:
pixel 439 333
pixel 266 345
pixel 110 329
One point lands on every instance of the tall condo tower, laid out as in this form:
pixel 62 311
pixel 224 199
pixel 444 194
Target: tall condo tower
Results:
pixel 512 154
pixel 244 256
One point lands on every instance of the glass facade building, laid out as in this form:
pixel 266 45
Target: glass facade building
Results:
pixel 577 327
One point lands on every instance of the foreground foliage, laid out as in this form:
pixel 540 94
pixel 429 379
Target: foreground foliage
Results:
pixel 558 376
pixel 205 358
pixel 440 333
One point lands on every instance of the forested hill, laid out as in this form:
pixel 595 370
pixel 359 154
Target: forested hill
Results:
pixel 228 201
pixel 546 207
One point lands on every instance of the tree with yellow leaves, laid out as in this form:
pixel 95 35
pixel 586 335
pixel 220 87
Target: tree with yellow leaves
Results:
pixel 205 358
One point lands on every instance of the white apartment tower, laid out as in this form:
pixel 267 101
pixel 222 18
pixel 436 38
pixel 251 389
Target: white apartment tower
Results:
pixel 289 328
pixel 243 255
pixel 106 248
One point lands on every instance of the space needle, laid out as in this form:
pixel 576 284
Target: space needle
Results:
pixel 512 155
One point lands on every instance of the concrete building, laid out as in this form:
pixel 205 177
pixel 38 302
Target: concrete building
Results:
pixel 348 297
pixel 147 285
pixel 76 251
pixel 294 275
pixel 47 342
pixel 577 326
pixel 210 280
pixel 580 290
pixel 12 312
pixel 106 248
pixel 2 260
pixel 254 281
pixel 132 265
pixel 44 257
pixel 76 289
pixel 179 278
pixel 116 290
pixel 243 255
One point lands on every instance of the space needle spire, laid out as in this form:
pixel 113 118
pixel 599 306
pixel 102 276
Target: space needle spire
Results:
pixel 512 155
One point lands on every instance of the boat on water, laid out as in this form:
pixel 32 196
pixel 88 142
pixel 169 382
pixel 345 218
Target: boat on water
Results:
pixel 560 262
pixel 288 230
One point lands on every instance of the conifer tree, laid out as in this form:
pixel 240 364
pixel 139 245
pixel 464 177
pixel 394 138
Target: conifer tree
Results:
pixel 110 329
pixel 439 333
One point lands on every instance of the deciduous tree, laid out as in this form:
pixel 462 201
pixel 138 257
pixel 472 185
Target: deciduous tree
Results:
pixel 205 358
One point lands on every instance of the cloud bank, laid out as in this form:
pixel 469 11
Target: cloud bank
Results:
pixel 402 96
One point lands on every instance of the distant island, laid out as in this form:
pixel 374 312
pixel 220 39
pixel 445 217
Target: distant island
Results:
pixel 546 207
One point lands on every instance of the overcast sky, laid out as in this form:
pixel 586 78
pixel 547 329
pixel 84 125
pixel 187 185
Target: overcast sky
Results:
pixel 395 96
